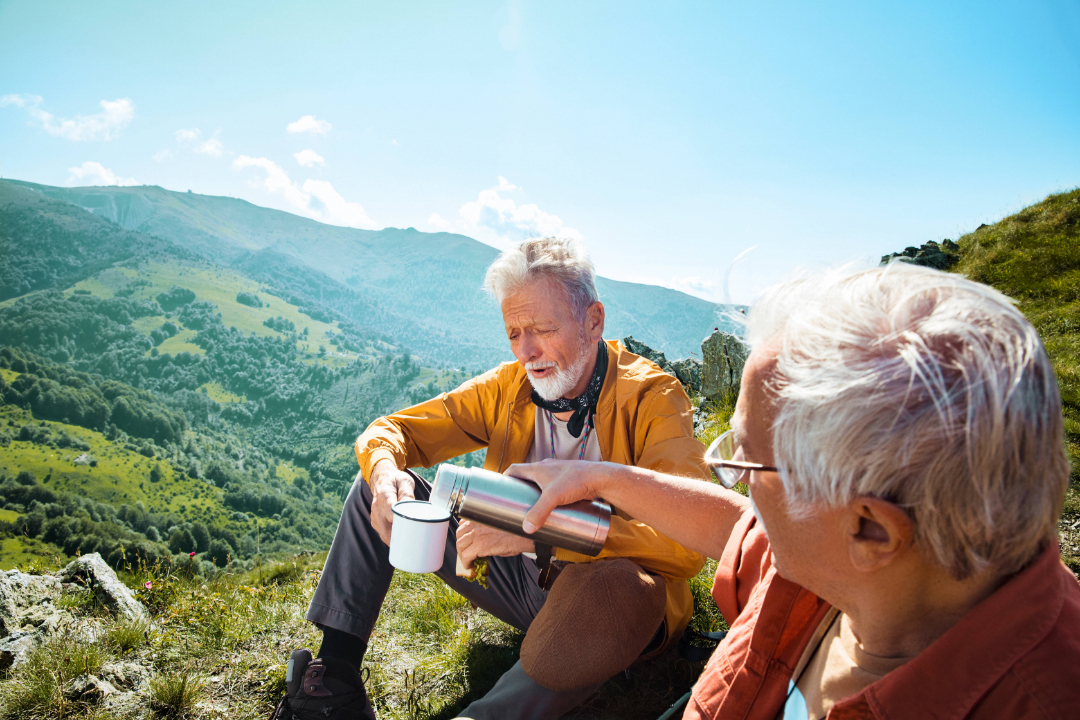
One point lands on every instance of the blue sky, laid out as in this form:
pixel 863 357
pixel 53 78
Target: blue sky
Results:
pixel 672 137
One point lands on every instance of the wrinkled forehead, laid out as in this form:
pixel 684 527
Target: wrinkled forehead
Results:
pixel 537 301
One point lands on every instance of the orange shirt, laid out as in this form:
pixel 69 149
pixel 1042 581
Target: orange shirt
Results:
pixel 1015 655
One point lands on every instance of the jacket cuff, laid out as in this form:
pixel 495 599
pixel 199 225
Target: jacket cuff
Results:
pixel 369 458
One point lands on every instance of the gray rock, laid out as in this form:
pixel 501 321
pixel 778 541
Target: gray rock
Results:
pixel 724 356
pixel 89 688
pixel 930 254
pixel 14 647
pixel 688 371
pixel 129 675
pixel 92 571
pixel 639 348
pixel 20 594
pixel 28 613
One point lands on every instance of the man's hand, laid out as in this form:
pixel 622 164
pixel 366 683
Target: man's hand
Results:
pixel 562 482
pixel 474 541
pixel 388 486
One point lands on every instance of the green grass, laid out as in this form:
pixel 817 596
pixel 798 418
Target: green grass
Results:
pixel 23 552
pixel 1034 257
pixel 37 690
pixel 181 342
pixel 175 694
pixel 216 392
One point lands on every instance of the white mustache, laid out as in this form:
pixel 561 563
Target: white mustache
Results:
pixel 540 365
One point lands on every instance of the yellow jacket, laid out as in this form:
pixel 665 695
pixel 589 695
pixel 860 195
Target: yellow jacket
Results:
pixel 643 418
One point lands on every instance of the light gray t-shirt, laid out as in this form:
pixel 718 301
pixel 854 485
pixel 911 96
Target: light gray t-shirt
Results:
pixel 567 446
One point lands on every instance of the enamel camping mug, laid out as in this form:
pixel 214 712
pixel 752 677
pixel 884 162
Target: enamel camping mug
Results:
pixel 418 536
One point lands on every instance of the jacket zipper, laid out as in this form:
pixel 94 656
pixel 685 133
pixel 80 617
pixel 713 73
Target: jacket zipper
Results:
pixel 506 436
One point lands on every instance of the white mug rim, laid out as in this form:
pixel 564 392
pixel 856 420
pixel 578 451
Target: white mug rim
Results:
pixel 394 509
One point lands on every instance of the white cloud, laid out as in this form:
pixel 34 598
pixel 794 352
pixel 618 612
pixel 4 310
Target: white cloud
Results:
pixel 163 154
pixel 187 136
pixel 438 221
pixel 105 125
pixel 309 158
pixel 695 285
pixel 210 146
pixel 94 173
pixel 393 142
pixel 193 139
pixel 508 221
pixel 308 124
pixel 317 199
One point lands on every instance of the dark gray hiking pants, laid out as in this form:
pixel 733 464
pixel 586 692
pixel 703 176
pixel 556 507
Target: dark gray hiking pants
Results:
pixel 357 576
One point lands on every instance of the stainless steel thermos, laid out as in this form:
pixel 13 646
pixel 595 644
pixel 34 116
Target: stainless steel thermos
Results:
pixel 501 501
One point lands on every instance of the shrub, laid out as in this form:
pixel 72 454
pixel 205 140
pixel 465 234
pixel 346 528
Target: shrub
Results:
pixel 249 299
pixel 174 298
pixel 174 694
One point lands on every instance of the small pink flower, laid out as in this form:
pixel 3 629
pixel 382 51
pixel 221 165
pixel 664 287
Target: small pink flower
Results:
pixel 147 585
pixel 191 554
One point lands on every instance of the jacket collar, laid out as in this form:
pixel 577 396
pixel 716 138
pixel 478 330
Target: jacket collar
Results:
pixel 977 651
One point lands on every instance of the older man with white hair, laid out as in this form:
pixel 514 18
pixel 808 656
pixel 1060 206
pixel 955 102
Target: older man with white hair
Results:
pixel 569 395
pixel 901 435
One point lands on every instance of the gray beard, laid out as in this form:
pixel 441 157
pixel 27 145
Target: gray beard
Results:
pixel 561 381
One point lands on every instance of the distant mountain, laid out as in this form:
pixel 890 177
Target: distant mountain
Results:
pixel 420 290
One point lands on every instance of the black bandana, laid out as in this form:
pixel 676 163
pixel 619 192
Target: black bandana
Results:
pixel 584 405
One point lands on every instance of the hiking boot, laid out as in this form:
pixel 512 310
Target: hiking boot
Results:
pixel 322 689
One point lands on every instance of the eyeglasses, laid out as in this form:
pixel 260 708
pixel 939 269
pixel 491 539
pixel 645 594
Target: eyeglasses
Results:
pixel 721 458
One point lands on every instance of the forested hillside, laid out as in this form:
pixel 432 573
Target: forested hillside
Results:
pixel 157 405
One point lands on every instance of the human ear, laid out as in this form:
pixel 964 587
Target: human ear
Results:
pixel 594 321
pixel 878 532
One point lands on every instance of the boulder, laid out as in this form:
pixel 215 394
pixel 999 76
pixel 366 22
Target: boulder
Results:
pixel 723 356
pixel 130 675
pixel 639 348
pixel 89 688
pixel 28 613
pixel 92 572
pixel 688 371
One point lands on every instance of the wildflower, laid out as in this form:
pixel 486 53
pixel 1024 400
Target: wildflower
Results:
pixel 191 554
pixel 147 585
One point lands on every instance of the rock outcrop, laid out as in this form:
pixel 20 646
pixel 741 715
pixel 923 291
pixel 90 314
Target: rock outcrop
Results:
pixel 723 358
pixel 28 613
pixel 92 572
pixel 930 254
pixel 688 371
pixel 639 348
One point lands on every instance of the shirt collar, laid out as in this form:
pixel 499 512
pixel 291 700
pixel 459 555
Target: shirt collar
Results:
pixel 948 678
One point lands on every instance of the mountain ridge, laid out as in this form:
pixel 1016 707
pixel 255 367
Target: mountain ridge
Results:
pixel 434 279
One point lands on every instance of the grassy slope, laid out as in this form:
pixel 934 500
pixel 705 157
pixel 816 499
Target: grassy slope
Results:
pixel 1034 257
pixel 219 286
pixel 121 477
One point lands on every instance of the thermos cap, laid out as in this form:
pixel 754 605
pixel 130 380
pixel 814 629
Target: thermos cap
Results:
pixel 446 477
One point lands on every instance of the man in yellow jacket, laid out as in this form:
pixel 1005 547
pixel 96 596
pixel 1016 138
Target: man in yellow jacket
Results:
pixel 570 395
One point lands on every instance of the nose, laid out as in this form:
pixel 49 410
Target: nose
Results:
pixel 527 348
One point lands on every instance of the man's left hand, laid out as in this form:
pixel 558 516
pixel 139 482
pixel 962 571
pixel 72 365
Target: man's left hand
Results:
pixel 475 541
